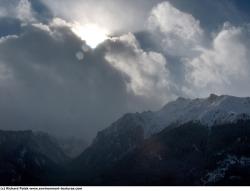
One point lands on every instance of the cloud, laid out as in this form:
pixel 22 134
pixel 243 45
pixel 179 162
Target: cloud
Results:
pixel 17 9
pixel 5 74
pixel 117 16
pixel 179 33
pixel 2 12
pixel 45 87
pixel 222 67
pixel 5 38
pixel 146 73
pixel 24 11
pixel 200 62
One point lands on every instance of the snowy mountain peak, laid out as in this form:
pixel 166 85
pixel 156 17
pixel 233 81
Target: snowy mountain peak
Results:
pixel 209 111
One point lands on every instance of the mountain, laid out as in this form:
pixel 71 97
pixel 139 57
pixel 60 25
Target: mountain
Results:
pixel 28 158
pixel 189 154
pixel 209 111
pixel 188 142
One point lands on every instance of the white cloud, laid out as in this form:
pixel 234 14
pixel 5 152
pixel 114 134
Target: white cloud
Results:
pixel 180 33
pixel 42 26
pixel 146 71
pixel 210 64
pixel 222 67
pixel 58 22
pixel 115 16
pixel 24 11
pixel 5 38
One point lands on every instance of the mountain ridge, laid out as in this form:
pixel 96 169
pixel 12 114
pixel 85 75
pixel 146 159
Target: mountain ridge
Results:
pixel 209 111
pixel 117 146
pixel 203 141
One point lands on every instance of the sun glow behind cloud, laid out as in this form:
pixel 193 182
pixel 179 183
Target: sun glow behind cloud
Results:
pixel 92 34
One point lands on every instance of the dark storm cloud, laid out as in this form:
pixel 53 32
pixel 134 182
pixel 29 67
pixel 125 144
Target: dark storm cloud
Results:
pixel 48 88
pixel 51 88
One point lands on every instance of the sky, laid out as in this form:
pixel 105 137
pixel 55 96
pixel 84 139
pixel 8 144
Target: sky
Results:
pixel 71 68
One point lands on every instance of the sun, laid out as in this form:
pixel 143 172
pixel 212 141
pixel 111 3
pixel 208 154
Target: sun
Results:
pixel 92 34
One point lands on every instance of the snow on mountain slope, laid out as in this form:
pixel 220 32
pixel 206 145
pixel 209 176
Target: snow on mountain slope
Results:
pixel 208 111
